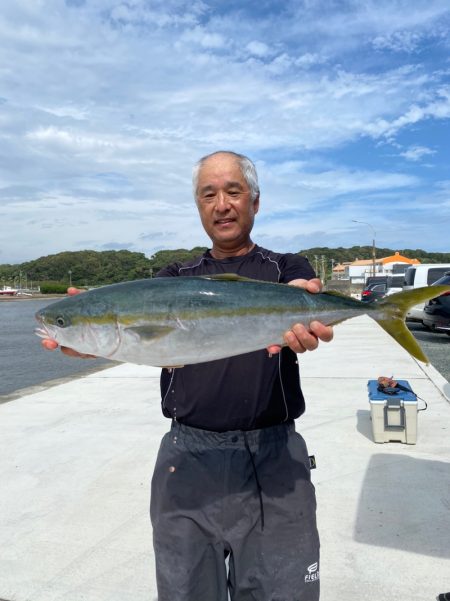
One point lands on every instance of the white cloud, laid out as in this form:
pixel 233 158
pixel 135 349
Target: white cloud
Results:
pixel 82 142
pixel 159 14
pixel 199 35
pixel 110 103
pixel 416 153
pixel 398 41
pixel 258 49
pixel 74 112
pixel 309 59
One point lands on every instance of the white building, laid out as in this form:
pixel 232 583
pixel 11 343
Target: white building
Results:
pixel 358 271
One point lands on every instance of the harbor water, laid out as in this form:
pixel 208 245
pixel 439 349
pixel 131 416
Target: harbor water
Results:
pixel 23 362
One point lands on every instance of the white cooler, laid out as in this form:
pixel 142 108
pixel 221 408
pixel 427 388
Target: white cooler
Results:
pixel 394 417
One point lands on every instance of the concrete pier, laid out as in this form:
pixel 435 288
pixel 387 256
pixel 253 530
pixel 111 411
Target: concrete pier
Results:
pixel 76 461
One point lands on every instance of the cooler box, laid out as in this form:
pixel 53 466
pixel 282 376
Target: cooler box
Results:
pixel 394 416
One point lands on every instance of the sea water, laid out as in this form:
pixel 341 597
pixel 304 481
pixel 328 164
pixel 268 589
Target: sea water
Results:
pixel 23 361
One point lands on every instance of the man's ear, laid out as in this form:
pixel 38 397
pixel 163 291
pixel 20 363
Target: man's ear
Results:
pixel 256 204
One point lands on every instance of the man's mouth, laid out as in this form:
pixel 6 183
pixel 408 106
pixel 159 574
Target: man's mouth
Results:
pixel 223 221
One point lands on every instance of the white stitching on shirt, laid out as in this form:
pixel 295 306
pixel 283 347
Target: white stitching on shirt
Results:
pixel 192 266
pixel 282 387
pixel 266 257
pixel 272 261
pixel 163 403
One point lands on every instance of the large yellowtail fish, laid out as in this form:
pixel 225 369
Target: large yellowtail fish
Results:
pixel 182 320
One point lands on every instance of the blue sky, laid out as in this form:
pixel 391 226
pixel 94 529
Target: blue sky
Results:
pixel 105 105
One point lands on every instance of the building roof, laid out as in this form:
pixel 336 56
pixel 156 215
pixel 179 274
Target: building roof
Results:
pixel 398 258
pixel 363 262
pixel 339 267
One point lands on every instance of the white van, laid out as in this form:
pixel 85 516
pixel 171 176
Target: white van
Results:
pixel 420 275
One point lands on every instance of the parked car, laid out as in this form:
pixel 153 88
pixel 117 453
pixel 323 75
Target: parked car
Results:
pixel 376 279
pixel 377 287
pixel 395 284
pixel 423 274
pixel 373 291
pixel 436 313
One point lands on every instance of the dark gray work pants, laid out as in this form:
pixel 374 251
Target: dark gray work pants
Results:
pixel 245 496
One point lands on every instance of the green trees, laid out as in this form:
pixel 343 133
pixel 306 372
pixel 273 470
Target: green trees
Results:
pixel 342 255
pixel 165 257
pixel 83 268
pixel 92 268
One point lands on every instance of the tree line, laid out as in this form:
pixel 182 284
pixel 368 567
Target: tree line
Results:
pixel 347 255
pixel 93 268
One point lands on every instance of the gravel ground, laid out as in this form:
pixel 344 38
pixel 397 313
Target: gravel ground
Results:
pixel 435 346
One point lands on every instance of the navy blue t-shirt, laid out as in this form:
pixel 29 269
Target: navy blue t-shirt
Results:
pixel 244 392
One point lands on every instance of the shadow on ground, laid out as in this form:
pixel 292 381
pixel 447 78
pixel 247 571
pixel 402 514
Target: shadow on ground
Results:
pixel 364 423
pixel 405 504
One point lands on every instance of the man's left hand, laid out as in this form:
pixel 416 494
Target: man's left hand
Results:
pixel 301 338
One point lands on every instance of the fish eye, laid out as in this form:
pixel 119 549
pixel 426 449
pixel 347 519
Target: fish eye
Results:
pixel 60 321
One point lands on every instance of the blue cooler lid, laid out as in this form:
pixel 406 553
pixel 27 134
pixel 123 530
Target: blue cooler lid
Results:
pixel 376 395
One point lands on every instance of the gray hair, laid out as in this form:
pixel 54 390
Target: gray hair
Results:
pixel 246 166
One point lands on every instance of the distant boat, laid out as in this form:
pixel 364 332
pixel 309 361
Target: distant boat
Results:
pixel 8 291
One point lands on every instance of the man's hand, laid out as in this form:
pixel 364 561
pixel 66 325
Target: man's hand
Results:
pixel 299 338
pixel 51 345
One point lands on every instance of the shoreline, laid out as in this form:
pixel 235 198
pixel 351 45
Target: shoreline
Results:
pixel 32 297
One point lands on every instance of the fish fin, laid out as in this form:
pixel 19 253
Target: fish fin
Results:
pixel 408 298
pixel 396 328
pixel 395 307
pixel 150 332
pixel 398 304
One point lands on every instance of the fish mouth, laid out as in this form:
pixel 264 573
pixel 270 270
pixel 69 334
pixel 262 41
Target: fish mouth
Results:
pixel 42 332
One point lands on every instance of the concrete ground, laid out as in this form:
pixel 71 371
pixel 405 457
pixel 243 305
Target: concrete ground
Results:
pixel 76 461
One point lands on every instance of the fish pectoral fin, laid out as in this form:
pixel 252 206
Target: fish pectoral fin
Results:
pixel 148 333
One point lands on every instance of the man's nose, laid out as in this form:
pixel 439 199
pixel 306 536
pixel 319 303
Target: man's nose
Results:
pixel 222 202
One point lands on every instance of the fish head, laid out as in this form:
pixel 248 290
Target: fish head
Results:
pixel 84 323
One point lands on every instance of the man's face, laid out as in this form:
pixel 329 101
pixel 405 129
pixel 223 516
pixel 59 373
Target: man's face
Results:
pixel 224 201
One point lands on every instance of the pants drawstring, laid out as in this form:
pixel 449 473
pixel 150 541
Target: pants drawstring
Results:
pixel 258 486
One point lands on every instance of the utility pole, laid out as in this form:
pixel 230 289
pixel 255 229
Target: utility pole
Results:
pixel 374 257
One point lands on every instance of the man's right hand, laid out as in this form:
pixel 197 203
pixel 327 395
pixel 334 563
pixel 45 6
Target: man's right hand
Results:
pixel 51 345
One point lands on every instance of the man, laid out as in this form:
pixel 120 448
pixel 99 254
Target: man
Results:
pixel 232 477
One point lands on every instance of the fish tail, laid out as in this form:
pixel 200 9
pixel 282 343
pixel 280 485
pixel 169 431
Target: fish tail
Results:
pixel 393 309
